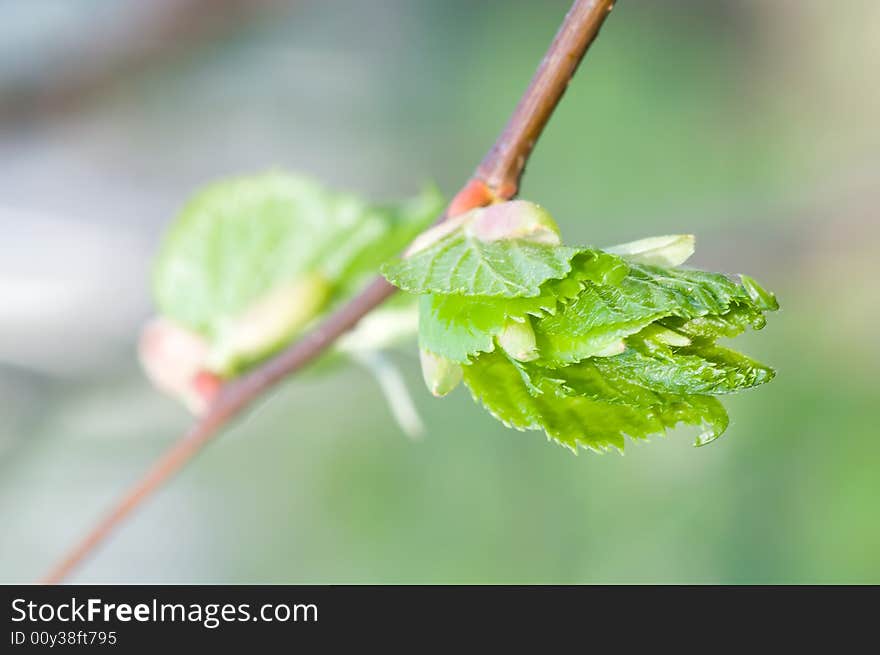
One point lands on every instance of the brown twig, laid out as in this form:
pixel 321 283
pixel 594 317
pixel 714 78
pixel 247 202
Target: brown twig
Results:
pixel 503 166
pixel 499 173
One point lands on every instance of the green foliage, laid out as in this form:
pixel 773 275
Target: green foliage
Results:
pixel 604 313
pixel 249 262
pixel 460 263
pixel 598 420
pixel 702 367
pixel 587 345
pixel 619 345
pixel 473 255
pixel 239 239
pixel 459 326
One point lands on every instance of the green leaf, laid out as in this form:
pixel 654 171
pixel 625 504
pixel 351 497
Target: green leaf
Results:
pixel 619 344
pixel 459 327
pixel 702 367
pixel 238 240
pixel 740 317
pixel 445 331
pixel 251 261
pixel 586 379
pixel 762 298
pixel 604 314
pixel 508 393
pixel 460 263
pixel 464 265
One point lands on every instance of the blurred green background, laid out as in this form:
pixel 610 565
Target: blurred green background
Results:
pixel 752 124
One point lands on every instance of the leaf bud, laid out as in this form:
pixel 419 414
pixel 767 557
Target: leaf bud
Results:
pixel 441 375
pixel 173 359
pixel 670 250
pixel 517 339
pixel 517 219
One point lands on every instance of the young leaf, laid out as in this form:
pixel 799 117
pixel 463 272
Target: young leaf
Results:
pixel 250 262
pixel 762 298
pixel 699 368
pixel 457 336
pixel 583 421
pixel 737 319
pixel 507 250
pixel 585 379
pixel 460 264
pixel 459 327
pixel 239 240
pixel 603 314
pixel 622 344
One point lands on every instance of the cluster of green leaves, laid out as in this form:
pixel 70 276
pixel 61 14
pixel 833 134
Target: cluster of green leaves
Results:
pixel 588 345
pixel 251 261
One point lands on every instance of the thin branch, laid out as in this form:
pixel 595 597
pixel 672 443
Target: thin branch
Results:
pixel 503 166
pixel 500 171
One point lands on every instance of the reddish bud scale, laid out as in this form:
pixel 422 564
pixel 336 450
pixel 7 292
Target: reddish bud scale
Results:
pixel 206 386
pixel 472 195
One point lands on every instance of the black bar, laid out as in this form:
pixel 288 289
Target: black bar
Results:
pixel 248 616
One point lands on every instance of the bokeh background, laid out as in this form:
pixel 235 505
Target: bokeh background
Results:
pixel 752 124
